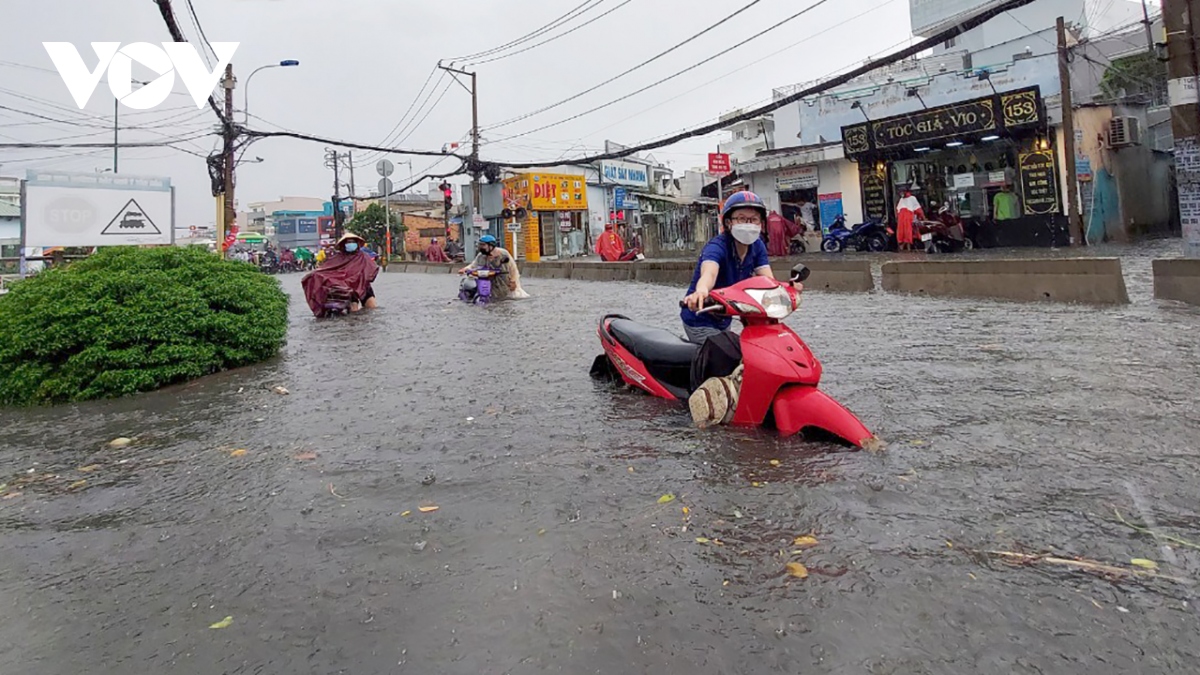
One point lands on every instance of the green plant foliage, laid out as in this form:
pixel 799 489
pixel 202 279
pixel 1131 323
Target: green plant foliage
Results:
pixel 128 320
pixel 369 224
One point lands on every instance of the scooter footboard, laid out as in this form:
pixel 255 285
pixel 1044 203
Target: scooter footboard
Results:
pixel 798 407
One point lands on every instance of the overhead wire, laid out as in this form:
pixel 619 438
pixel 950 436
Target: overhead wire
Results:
pixel 535 33
pixel 409 127
pixel 942 36
pixel 551 39
pixel 618 76
pixel 200 30
pixel 387 139
pixel 690 68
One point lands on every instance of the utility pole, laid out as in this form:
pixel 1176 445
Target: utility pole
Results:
pixel 1179 19
pixel 1146 22
pixel 332 161
pixel 1068 114
pixel 230 137
pixel 350 163
pixel 116 133
pixel 476 189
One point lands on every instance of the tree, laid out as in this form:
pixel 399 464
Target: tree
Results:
pixel 370 225
pixel 1139 76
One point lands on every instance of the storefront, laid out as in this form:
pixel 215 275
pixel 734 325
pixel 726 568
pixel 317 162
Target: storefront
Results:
pixel 544 215
pixel 962 155
pixel 818 175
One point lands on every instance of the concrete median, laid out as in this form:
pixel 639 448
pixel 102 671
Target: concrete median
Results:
pixel 838 276
pixel 1082 280
pixel 1177 279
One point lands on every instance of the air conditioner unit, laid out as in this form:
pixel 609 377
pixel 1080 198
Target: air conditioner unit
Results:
pixel 1123 131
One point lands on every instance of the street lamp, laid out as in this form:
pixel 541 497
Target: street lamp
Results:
pixel 246 89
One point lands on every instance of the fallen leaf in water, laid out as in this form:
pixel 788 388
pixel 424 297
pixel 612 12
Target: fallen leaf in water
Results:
pixel 686 510
pixel 88 469
pixel 428 509
pixel 666 499
pixel 972 576
pixel 918 443
pixel 238 453
pixel 281 391
pixel 12 495
pixel 305 456
pixel 119 442
pixel 806 540
pixel 775 462
pixel 701 540
pixel 406 513
pixel 541 531
pixel 77 484
pixel 949 544
pixel 1144 563
pixel 725 583
pixel 223 623
pixel 797 570
pixel 1122 610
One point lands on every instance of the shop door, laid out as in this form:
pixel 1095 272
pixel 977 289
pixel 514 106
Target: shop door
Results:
pixel 548 231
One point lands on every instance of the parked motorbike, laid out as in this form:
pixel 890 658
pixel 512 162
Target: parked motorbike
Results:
pixel 780 374
pixel 797 245
pixel 476 288
pixel 869 236
pixel 947 234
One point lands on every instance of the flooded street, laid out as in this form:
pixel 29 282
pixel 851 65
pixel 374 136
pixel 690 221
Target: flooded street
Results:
pixel 1015 428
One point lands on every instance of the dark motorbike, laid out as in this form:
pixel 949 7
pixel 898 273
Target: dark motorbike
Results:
pixel 869 236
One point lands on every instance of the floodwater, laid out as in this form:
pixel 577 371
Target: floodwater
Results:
pixel 1015 428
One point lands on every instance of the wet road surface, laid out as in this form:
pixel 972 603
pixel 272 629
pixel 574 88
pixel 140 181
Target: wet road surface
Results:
pixel 1011 427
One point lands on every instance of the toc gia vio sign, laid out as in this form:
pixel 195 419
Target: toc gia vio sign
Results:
pixel 989 115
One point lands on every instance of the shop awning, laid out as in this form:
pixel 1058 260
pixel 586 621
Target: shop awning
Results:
pixel 680 201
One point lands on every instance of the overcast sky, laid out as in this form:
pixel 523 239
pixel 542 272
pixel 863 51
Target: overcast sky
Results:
pixel 363 63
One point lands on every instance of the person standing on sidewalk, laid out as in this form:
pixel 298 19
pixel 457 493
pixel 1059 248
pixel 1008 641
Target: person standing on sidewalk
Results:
pixel 734 255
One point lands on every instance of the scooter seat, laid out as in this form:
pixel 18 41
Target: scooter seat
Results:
pixel 653 346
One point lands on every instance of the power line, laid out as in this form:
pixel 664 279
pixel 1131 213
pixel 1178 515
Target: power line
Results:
pixel 551 39
pixel 345 144
pixel 387 138
pixel 168 15
pixel 156 144
pixel 742 68
pixel 690 68
pixel 200 29
pixel 395 136
pixel 623 74
pixel 529 36
pixel 920 46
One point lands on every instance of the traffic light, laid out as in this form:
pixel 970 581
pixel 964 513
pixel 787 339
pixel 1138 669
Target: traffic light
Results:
pixel 448 195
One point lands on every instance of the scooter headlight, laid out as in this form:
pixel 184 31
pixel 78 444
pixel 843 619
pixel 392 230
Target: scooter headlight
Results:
pixel 777 301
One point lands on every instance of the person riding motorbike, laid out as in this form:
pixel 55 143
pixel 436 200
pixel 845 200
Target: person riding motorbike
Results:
pixel 492 256
pixel 350 267
pixel 734 255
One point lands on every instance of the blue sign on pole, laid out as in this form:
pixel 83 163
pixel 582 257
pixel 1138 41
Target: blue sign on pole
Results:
pixel 618 198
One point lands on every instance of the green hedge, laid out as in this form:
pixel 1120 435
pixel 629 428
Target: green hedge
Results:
pixel 128 320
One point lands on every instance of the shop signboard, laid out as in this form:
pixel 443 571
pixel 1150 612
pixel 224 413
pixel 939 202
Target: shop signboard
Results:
pixel 797 178
pixel 995 178
pixel 556 192
pixel 619 198
pixel 990 115
pixel 1039 187
pixel 617 172
pixel 831 207
pixel 875 196
pixel 964 181
pixel 1083 168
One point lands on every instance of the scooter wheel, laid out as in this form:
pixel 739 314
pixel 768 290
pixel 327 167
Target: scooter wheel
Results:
pixel 832 246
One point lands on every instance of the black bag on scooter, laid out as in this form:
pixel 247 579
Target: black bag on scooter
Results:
pixel 719 356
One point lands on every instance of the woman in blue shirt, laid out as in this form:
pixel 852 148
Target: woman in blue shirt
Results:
pixel 735 255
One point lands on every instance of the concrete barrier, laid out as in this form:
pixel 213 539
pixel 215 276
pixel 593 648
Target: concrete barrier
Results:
pixel 1084 280
pixel 1177 279
pixel 838 276
pixel 603 271
pixel 546 270
pixel 664 272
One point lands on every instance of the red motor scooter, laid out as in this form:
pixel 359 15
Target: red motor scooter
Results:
pixel 780 376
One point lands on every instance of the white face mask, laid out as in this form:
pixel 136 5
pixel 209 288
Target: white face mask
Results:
pixel 746 234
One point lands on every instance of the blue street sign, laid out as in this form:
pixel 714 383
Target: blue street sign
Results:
pixel 619 198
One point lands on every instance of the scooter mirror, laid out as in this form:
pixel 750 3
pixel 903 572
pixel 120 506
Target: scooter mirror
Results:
pixel 799 274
